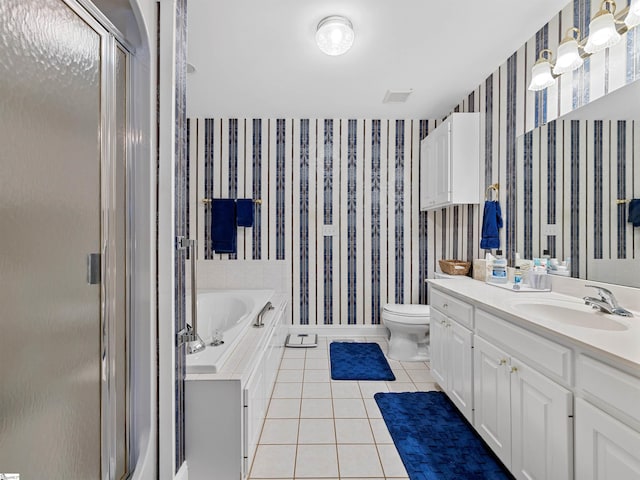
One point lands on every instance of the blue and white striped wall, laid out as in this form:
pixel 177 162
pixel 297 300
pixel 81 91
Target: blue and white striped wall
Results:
pixel 359 176
pixel 571 174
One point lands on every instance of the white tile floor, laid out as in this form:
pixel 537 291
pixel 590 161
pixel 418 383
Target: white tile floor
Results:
pixel 318 428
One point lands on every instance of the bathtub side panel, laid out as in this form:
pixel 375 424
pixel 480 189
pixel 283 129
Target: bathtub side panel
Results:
pixel 213 406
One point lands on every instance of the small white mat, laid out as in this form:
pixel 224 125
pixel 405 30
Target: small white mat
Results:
pixel 301 340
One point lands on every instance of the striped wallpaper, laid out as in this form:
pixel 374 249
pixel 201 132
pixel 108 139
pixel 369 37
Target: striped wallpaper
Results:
pixel 361 176
pixel 339 202
pixel 597 163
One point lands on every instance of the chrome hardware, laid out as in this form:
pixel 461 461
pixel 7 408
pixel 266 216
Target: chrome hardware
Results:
pixel 190 336
pixel 94 268
pixel 606 303
pixel 259 319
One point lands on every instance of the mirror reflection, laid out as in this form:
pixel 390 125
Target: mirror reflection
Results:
pixel 576 177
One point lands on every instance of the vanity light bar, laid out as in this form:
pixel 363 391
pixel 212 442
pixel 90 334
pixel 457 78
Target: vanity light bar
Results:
pixel 606 29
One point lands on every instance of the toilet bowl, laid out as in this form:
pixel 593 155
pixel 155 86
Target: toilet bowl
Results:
pixel 409 331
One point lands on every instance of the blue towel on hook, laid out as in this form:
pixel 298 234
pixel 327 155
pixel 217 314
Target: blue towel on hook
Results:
pixel 224 232
pixel 244 212
pixel 634 212
pixel 491 222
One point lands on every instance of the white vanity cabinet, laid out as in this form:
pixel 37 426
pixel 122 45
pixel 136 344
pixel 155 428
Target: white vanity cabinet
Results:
pixel 451 350
pixel 450 163
pixel 607 447
pixel 522 415
pixel 553 402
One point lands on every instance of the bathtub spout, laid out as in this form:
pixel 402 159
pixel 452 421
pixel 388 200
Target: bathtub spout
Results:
pixel 259 323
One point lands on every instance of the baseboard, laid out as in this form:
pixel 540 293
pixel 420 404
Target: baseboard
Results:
pixel 341 330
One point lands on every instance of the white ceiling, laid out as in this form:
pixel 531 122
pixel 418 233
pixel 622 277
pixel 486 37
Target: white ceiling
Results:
pixel 258 58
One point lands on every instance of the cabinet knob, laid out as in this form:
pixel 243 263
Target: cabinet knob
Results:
pixel 514 369
pixel 445 305
pixel 443 322
pixel 503 361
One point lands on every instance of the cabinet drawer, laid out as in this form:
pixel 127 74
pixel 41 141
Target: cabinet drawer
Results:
pixel 552 358
pixel 616 388
pixel 452 307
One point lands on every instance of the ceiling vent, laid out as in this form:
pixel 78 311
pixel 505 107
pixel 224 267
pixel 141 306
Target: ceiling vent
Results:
pixel 397 96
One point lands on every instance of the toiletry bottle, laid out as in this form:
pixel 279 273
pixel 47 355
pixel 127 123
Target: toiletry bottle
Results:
pixel 499 268
pixel 517 276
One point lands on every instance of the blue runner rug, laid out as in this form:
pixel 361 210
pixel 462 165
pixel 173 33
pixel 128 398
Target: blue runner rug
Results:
pixel 358 361
pixel 434 440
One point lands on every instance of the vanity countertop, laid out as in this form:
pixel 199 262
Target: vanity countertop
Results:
pixel 619 345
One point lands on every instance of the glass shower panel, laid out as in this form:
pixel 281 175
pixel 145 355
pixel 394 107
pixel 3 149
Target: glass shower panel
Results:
pixel 121 326
pixel 50 221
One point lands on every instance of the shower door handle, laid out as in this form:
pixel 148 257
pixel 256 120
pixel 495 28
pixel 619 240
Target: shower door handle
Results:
pixel 94 270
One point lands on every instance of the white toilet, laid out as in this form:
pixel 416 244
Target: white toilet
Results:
pixel 409 331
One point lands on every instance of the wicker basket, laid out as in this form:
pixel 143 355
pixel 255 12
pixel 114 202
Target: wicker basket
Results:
pixel 454 267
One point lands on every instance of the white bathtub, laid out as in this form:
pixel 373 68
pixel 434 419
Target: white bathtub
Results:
pixel 227 314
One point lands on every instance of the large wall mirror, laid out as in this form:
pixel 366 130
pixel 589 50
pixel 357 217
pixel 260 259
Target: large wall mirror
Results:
pixel 576 176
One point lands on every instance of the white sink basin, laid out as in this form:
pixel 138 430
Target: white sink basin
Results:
pixel 570 313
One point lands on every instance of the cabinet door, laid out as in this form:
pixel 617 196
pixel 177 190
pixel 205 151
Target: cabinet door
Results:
pixel 427 173
pixel 605 448
pixel 541 426
pixel 442 166
pixel 491 397
pixel 438 340
pixel 460 368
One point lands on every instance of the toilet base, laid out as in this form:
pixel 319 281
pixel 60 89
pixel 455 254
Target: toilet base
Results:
pixel 407 348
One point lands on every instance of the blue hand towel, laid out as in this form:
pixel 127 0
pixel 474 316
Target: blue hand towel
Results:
pixel 491 222
pixel 223 225
pixel 244 212
pixel 634 212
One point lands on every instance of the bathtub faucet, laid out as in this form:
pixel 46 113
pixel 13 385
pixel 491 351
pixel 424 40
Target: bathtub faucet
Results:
pixel 259 319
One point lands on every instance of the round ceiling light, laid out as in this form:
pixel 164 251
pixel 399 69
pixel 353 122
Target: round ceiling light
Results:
pixel 334 35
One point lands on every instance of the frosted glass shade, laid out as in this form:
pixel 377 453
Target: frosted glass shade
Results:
pixel 602 33
pixel 334 35
pixel 633 17
pixel 541 76
pixel 568 57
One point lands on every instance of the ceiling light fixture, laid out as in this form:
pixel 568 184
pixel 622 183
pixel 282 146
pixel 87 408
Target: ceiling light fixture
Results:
pixel 334 35
pixel 606 29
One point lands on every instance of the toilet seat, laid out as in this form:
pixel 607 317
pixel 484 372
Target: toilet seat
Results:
pixel 409 310
pixel 406 313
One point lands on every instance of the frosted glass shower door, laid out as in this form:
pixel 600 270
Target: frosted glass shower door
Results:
pixel 50 220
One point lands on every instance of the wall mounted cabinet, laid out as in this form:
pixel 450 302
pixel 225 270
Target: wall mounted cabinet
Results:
pixel 450 163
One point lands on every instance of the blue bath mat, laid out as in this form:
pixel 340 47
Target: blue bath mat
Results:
pixel 358 361
pixel 434 440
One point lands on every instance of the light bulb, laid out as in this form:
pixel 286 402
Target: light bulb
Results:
pixel 334 35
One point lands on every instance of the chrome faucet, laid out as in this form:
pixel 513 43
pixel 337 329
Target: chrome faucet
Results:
pixel 606 303
pixel 259 319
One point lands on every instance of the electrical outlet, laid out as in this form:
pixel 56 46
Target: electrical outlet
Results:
pixel 329 230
